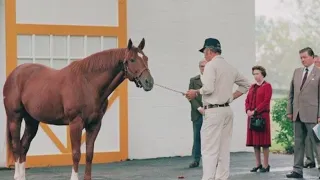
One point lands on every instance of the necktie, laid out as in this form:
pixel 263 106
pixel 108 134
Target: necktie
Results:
pixel 304 78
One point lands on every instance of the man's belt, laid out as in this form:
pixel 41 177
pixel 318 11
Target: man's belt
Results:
pixel 215 105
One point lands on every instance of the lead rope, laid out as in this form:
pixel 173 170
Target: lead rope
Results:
pixel 164 87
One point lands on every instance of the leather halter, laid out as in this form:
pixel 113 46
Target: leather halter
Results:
pixel 128 73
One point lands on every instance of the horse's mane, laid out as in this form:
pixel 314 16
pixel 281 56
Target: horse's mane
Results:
pixel 97 62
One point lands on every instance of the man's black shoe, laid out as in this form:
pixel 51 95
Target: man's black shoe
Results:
pixel 294 175
pixel 194 164
pixel 310 165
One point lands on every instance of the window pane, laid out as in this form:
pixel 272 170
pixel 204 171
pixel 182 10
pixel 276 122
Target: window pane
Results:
pixel 59 46
pixel 24 45
pixel 110 42
pixel 59 63
pixel 22 61
pixel 42 46
pixel 93 45
pixel 76 46
pixel 45 62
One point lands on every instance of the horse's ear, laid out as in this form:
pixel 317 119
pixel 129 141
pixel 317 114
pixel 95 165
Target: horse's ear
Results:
pixel 129 44
pixel 141 45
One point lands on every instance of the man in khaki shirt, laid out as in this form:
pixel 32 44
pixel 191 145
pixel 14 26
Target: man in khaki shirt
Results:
pixel 218 80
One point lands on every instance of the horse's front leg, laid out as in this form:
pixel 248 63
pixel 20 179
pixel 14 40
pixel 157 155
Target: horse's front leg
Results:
pixel 76 127
pixel 92 131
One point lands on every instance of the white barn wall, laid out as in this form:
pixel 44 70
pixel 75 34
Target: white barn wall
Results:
pixel 71 12
pixel 159 121
pixel 2 79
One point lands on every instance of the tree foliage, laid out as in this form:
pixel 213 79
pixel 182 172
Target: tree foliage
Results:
pixel 285 135
pixel 278 40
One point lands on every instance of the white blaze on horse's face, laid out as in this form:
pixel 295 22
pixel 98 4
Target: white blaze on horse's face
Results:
pixel 140 55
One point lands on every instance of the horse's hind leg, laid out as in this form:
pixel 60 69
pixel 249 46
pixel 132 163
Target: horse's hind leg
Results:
pixel 14 125
pixel 30 132
pixel 76 127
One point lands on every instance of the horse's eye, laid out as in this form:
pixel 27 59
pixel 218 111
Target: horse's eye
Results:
pixel 132 60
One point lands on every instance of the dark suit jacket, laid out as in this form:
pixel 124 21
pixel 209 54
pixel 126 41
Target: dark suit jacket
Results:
pixel 305 102
pixel 195 83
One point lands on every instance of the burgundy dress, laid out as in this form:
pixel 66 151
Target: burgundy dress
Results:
pixel 259 97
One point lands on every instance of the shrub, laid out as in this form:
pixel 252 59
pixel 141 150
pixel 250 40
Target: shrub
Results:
pixel 285 135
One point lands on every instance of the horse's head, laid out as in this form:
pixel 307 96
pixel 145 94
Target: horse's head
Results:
pixel 136 66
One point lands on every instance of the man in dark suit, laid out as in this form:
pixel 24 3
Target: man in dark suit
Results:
pixel 303 108
pixel 309 149
pixel 196 116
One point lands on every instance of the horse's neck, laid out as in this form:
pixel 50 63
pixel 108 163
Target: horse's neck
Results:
pixel 106 82
pixel 103 71
pixel 113 85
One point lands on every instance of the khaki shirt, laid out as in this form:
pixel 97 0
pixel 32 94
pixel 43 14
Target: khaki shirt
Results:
pixel 218 80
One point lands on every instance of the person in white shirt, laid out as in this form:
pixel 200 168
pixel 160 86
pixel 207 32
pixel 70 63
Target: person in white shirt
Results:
pixel 218 80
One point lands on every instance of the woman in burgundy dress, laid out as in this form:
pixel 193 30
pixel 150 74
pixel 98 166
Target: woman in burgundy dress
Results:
pixel 258 103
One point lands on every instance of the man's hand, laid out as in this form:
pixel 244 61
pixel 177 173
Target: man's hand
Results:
pixel 236 94
pixel 191 94
pixel 201 110
pixel 290 117
pixel 250 113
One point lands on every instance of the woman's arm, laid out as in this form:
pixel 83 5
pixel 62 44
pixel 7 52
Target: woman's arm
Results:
pixel 248 100
pixel 266 101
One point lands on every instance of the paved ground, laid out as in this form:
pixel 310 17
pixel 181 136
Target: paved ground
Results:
pixel 168 169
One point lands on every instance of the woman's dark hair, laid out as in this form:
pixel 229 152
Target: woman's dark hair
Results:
pixel 261 69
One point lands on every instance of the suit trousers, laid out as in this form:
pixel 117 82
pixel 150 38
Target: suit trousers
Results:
pixel 216 135
pixel 309 150
pixel 196 149
pixel 301 131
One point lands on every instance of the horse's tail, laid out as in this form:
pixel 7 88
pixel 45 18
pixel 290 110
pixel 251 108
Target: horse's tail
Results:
pixel 9 137
pixel 9 140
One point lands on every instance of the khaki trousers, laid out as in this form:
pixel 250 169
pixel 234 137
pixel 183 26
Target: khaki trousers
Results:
pixel 216 135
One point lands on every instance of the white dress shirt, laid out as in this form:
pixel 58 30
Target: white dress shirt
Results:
pixel 309 70
pixel 218 80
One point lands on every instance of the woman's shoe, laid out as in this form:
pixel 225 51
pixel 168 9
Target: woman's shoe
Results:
pixel 265 169
pixel 255 169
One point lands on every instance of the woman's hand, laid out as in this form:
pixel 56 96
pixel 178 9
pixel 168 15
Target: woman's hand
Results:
pixel 250 113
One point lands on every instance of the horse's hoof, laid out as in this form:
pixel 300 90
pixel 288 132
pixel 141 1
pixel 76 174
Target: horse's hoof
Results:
pixel 74 178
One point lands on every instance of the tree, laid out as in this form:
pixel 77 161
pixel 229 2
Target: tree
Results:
pixel 279 40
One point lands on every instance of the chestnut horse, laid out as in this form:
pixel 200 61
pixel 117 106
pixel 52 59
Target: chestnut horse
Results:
pixel 76 95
